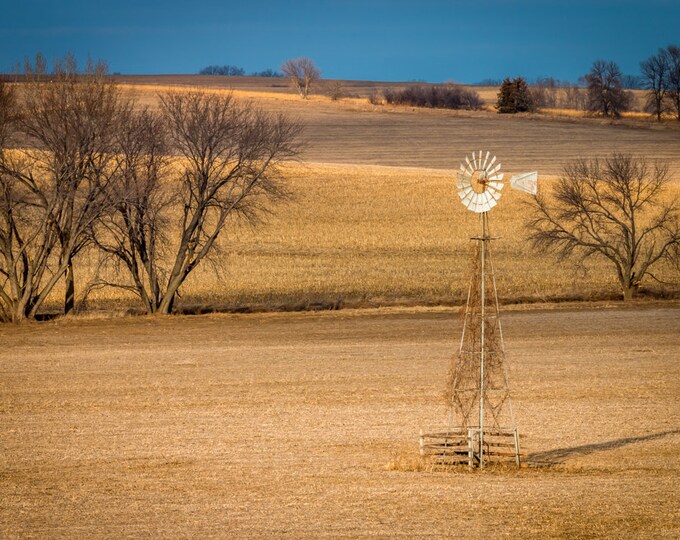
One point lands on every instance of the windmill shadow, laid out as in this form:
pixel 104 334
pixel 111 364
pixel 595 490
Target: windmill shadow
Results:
pixel 559 455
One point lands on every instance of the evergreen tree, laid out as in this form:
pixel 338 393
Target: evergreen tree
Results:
pixel 523 100
pixel 514 96
pixel 506 101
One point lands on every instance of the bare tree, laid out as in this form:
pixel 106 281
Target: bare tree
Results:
pixel 655 72
pixel 613 209
pixel 544 93
pixel 16 220
pixel 228 168
pixel 38 67
pixel 26 244
pixel 605 91
pixel 335 90
pixel 302 72
pixel 674 78
pixel 133 233
pixel 69 122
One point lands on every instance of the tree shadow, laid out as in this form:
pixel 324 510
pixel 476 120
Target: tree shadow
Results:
pixel 559 455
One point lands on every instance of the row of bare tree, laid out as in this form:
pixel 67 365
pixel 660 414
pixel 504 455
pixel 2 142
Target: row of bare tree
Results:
pixel 551 93
pixel 602 89
pixel 152 190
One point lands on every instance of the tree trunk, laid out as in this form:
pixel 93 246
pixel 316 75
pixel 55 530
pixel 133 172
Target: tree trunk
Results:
pixel 20 311
pixel 628 292
pixel 69 297
pixel 167 303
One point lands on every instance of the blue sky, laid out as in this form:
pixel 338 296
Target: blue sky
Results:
pixel 375 40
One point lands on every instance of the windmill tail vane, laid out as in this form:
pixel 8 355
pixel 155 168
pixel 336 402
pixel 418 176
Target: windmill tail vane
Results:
pixel 527 182
pixel 481 426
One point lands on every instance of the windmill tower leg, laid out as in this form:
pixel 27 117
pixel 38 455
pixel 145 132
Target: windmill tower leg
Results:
pixel 482 348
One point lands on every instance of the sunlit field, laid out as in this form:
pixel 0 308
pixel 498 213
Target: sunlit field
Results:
pixel 303 425
pixel 286 395
pixel 369 235
pixel 373 218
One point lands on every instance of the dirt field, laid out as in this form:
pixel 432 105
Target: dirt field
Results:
pixel 305 425
pixel 352 131
pixel 437 139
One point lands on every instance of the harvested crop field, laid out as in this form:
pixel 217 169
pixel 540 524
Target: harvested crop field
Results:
pixel 353 131
pixel 358 236
pixel 305 425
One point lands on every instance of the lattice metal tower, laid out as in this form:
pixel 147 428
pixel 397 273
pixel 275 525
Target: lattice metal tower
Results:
pixel 481 425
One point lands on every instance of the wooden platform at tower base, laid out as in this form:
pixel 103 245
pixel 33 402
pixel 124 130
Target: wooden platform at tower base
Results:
pixel 461 446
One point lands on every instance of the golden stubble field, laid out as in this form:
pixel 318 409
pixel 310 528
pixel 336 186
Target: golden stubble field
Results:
pixel 374 219
pixel 360 235
pixel 306 425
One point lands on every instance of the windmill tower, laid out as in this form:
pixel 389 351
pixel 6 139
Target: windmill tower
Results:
pixel 481 426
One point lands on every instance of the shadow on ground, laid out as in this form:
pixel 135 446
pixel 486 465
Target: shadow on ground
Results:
pixel 559 455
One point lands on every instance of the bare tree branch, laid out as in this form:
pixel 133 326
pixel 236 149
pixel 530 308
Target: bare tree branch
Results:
pixel 655 72
pixel 673 94
pixel 606 94
pixel 71 119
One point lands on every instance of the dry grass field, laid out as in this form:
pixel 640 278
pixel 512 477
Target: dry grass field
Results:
pixel 305 425
pixel 370 235
pixel 374 217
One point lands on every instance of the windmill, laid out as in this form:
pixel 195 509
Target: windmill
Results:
pixel 481 425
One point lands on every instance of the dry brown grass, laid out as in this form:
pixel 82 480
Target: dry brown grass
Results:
pixel 282 426
pixel 367 235
pixel 633 115
pixel 147 92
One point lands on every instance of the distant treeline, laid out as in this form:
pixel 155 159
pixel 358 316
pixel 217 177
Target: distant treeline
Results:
pixel 236 71
pixel 629 82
